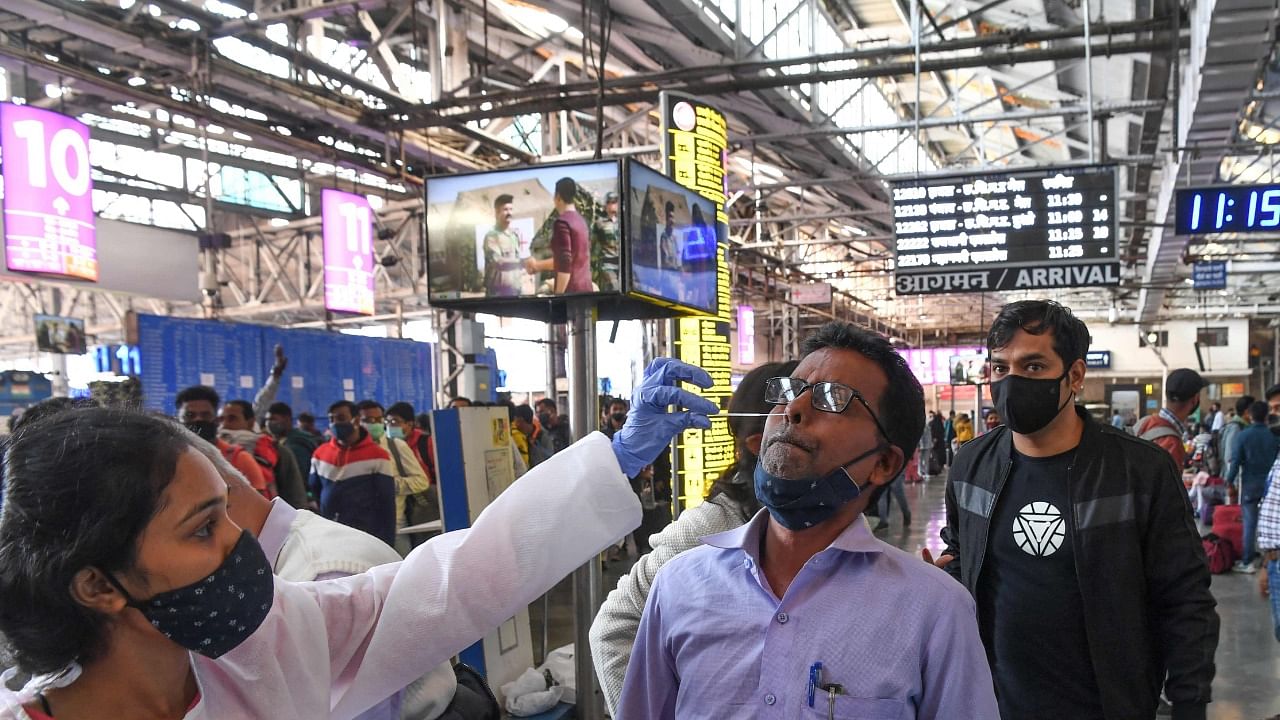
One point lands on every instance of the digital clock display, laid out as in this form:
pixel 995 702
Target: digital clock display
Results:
pixel 1232 208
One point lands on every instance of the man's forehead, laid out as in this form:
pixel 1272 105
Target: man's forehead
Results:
pixel 841 365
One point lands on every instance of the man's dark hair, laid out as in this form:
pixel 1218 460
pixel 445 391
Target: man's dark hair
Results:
pixel 503 199
pixel 1036 317
pixel 196 393
pixel 462 398
pixel 1242 405
pixel 901 408
pixel 566 189
pixel 670 208
pixel 1258 411
pixel 523 412
pixel 1271 392
pixel 370 405
pixel 48 408
pixel 618 401
pixel 80 487
pixel 546 402
pixel 306 418
pixel 245 407
pixel 402 410
pixel 350 406
pixel 279 408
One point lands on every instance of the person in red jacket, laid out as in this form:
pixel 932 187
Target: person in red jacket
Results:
pixel 198 409
pixel 1165 428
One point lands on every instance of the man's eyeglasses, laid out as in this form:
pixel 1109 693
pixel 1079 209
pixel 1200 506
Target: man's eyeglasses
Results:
pixel 832 397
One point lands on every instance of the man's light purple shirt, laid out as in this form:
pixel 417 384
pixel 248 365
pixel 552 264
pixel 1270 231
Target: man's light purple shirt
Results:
pixel 899 635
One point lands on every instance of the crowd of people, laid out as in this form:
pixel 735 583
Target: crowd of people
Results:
pixel 743 602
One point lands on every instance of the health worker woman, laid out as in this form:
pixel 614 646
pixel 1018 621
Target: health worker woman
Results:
pixel 128 592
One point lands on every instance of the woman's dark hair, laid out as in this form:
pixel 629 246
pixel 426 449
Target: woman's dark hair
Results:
pixel 747 398
pixel 80 487
pixel 901 408
pixel 1036 317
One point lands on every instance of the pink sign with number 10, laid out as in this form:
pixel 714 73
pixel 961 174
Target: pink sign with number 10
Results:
pixel 48 193
pixel 347 222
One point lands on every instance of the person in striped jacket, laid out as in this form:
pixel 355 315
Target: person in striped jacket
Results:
pixel 353 477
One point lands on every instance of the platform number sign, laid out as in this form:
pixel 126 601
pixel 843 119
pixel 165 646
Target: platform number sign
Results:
pixel 347 221
pixel 48 193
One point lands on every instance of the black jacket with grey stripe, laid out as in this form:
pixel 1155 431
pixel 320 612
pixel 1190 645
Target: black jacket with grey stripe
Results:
pixel 1142 573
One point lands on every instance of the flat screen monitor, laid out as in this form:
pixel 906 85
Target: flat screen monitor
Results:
pixel 61 335
pixel 532 232
pixel 968 369
pixel 672 240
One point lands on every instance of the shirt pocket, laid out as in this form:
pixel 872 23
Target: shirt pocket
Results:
pixel 856 708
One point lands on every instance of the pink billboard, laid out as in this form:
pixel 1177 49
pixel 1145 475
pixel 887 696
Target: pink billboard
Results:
pixel 48 193
pixel 347 222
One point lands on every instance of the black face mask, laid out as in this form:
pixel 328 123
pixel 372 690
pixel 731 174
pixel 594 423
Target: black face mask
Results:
pixel 1028 405
pixel 206 429
pixel 344 431
pixel 544 419
pixel 619 417
pixel 216 614
pixel 278 429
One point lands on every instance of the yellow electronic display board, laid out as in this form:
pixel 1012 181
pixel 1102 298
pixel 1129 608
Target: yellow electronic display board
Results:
pixel 695 141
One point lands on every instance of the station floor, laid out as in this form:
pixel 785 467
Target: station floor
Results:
pixel 1247 684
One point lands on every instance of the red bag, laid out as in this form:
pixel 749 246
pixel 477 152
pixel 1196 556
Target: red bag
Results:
pixel 1228 514
pixel 1218 552
pixel 1232 532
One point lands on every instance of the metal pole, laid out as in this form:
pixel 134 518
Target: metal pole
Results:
pixel 915 33
pixel 1088 74
pixel 588 579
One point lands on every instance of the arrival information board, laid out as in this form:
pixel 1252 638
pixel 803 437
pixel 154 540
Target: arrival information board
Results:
pixel 1043 228
pixel 695 139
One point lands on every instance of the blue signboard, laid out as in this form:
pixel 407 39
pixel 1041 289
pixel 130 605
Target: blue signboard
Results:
pixel 235 359
pixel 1209 275
pixel 1098 359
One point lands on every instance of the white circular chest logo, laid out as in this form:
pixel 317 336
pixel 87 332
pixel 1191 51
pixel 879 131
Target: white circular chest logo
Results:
pixel 1039 529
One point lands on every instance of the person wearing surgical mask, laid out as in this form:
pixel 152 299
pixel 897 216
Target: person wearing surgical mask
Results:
pixel 410 478
pixel 1054 516
pixel 353 477
pixel 802 611
pixel 129 592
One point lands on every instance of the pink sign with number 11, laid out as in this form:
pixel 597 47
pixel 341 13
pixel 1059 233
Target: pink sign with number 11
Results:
pixel 48 193
pixel 347 222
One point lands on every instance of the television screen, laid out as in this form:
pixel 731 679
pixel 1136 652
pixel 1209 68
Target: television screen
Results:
pixel 542 231
pixel 672 233
pixel 62 335
pixel 968 370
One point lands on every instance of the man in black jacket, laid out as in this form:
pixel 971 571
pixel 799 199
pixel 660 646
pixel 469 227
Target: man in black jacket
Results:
pixel 1076 539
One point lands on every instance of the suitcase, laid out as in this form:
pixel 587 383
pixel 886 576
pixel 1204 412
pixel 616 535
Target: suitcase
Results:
pixel 1227 514
pixel 1232 532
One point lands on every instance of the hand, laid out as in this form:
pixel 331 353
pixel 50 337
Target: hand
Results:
pixel 650 426
pixel 281 362
pixel 941 562
pixel 530 265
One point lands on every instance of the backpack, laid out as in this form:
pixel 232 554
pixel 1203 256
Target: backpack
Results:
pixel 266 455
pixel 1218 552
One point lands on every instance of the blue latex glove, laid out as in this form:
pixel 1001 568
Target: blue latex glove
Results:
pixel 650 425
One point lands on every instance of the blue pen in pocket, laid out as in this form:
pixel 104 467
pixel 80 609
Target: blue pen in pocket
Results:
pixel 815 679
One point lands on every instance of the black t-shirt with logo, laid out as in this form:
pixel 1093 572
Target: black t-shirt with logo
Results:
pixel 1029 608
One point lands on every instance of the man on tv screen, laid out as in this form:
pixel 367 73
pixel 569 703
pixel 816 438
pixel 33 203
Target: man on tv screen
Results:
pixel 502 265
pixel 606 252
pixel 570 245
pixel 669 242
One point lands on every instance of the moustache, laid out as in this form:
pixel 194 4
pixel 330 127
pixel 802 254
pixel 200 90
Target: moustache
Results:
pixel 790 437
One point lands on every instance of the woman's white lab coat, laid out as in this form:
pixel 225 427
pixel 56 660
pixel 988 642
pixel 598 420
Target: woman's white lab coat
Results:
pixel 333 649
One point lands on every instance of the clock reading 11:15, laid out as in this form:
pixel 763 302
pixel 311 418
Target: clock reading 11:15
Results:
pixel 1233 208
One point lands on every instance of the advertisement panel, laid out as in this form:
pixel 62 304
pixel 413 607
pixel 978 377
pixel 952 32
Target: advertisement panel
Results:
pixel 347 222
pixel 48 193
